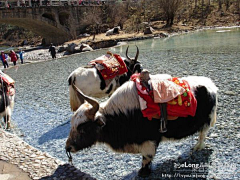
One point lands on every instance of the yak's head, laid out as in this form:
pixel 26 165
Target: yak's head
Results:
pixel 134 66
pixel 84 126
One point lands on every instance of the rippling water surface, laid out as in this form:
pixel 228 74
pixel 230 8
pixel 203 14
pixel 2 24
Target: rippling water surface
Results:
pixel 42 110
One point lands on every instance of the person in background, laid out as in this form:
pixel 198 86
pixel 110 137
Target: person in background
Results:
pixel 52 50
pixel 13 57
pixel 21 56
pixel 4 57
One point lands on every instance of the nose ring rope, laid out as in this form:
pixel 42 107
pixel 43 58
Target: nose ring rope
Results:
pixel 69 157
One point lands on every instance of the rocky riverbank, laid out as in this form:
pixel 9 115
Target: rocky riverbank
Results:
pixel 38 164
pixel 43 115
pixel 35 54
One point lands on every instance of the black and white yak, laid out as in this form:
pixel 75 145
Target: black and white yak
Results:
pixel 113 31
pixel 91 82
pixel 119 123
pixel 7 95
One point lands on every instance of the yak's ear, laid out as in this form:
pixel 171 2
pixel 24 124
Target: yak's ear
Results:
pixel 100 122
pixel 90 115
pixel 95 105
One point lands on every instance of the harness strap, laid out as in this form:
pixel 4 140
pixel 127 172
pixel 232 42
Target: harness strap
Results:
pixel 144 78
pixel 69 157
pixel 163 119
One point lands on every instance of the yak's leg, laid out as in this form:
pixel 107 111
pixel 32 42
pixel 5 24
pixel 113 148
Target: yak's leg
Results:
pixel 202 135
pixel 146 167
pixel 7 120
pixel 148 152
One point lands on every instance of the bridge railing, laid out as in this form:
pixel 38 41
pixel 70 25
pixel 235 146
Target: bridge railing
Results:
pixel 38 3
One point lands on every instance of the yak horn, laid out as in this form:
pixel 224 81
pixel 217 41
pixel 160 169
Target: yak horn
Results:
pixel 127 53
pixel 93 102
pixel 136 57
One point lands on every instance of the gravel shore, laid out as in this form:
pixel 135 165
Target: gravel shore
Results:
pixel 38 164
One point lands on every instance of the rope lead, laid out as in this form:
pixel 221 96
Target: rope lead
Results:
pixel 69 157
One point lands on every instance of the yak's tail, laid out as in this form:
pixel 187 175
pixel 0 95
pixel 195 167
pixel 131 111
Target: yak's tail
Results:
pixel 74 100
pixel 214 113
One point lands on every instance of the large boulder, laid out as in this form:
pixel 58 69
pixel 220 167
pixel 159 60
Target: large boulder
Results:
pixel 24 43
pixel 85 47
pixel 71 48
pixel 62 48
pixel 148 30
pixel 163 35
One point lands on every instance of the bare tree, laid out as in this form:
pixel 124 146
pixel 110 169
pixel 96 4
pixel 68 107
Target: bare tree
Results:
pixel 131 11
pixel 227 3
pixel 196 1
pixel 149 9
pixel 170 8
pixel 237 7
pixel 202 10
pixel 136 17
pixel 219 4
pixel 209 2
pixel 93 18
pixel 117 14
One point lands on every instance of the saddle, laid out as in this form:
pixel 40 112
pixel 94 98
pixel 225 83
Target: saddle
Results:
pixel 164 99
pixel 109 65
pixel 7 84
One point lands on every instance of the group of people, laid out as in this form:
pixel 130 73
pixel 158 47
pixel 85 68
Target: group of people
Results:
pixel 13 56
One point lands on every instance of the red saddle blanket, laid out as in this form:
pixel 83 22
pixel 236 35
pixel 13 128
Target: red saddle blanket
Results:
pixel 110 65
pixel 8 83
pixel 183 105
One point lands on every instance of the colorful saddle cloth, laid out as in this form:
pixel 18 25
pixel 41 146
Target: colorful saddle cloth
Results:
pixel 8 83
pixel 175 91
pixel 110 65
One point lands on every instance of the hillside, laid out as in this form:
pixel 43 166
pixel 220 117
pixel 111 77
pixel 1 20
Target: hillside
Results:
pixel 16 36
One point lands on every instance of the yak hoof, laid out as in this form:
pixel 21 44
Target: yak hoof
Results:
pixel 199 146
pixel 144 171
pixel 8 125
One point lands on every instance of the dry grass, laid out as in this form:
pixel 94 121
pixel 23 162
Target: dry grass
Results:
pixel 123 35
pixel 103 37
